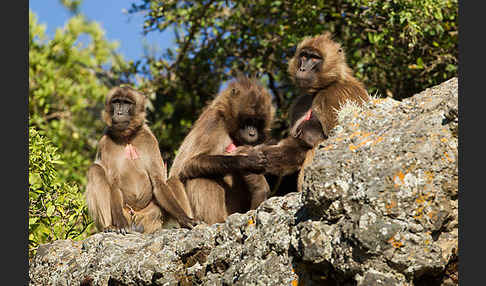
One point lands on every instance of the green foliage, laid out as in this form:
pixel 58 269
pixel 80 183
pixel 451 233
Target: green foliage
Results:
pixel 72 5
pixel 396 47
pixel 56 209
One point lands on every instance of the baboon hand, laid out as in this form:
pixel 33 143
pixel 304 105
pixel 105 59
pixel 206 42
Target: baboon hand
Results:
pixel 296 132
pixel 256 161
pixel 115 229
pixel 133 228
pixel 136 227
pixel 241 150
pixel 188 222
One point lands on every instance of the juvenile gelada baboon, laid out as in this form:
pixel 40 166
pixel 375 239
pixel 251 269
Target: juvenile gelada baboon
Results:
pixel 320 71
pixel 127 189
pixel 217 180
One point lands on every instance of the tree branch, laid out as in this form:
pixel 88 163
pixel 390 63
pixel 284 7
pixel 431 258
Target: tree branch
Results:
pixel 278 96
pixel 191 35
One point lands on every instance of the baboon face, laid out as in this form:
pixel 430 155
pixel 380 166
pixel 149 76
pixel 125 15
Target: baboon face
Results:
pixel 248 112
pixel 317 62
pixel 122 110
pixel 250 130
pixel 309 65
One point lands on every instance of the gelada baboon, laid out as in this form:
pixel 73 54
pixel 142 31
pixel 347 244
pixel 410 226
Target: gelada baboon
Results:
pixel 127 189
pixel 319 70
pixel 219 181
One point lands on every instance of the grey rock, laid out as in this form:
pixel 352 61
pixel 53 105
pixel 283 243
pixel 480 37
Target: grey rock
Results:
pixel 378 207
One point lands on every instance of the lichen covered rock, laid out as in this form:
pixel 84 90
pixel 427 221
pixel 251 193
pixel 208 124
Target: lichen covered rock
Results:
pixel 385 188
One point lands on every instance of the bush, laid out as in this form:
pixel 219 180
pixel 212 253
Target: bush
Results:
pixel 56 209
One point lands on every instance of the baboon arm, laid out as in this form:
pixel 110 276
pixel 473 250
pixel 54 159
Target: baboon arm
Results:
pixel 211 166
pixel 309 130
pixel 117 217
pixel 258 188
pixel 179 191
pixel 168 197
pixel 104 202
pixel 98 196
pixel 284 158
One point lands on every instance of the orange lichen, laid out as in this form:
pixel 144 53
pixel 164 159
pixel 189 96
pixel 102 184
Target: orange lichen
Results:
pixel 391 205
pixel 250 221
pixel 294 282
pixel 361 136
pixel 422 201
pixel 433 215
pixel 377 101
pixel 400 175
pixel 338 139
pixel 422 198
pixel 395 243
pixel 447 157
pixel 364 142
pixel 418 212
pixel 355 133
pixel 366 135
pixel 430 176
pixel 329 147
pixel 377 140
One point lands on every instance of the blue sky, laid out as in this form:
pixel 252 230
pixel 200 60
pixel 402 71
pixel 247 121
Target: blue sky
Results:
pixel 118 25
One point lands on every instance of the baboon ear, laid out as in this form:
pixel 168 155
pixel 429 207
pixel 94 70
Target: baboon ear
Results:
pixel 327 34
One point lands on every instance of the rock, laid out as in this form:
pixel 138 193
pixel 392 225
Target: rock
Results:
pixel 378 207
pixel 387 181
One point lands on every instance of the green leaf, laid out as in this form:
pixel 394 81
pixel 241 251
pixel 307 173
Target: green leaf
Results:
pixel 50 210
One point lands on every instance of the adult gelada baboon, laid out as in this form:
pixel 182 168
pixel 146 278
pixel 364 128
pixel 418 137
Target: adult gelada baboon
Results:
pixel 319 70
pixel 220 182
pixel 127 188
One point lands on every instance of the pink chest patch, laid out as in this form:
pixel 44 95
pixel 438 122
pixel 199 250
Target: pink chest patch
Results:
pixel 131 152
pixel 231 147
pixel 308 115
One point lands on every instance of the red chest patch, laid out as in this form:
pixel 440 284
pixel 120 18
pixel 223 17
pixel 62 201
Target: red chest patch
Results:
pixel 131 152
pixel 231 147
pixel 308 115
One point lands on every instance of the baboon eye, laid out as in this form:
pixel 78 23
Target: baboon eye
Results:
pixel 122 101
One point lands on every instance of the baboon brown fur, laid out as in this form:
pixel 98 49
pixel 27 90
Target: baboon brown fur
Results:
pixel 127 189
pixel 320 71
pixel 220 182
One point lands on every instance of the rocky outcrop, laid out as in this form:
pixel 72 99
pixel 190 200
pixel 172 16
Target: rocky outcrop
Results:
pixel 378 207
